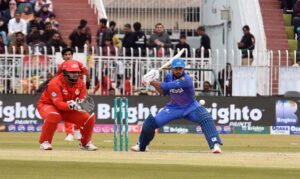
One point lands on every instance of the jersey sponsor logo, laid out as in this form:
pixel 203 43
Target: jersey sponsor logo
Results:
pixel 182 78
pixel 65 92
pixel 180 90
pixel 77 91
pixel 53 94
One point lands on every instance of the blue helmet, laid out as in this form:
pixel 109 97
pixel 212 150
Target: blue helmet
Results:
pixel 178 62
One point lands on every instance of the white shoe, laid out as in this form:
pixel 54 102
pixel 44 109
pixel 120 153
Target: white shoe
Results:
pixel 216 149
pixel 77 134
pixel 45 146
pixel 89 146
pixel 136 148
pixel 69 138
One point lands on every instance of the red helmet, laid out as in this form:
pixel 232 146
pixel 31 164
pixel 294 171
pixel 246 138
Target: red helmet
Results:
pixel 71 66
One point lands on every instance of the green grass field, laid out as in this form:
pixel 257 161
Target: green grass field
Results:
pixel 170 156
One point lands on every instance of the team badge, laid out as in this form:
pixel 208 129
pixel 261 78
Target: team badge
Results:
pixel 182 78
pixel 65 92
pixel 77 91
pixel 53 94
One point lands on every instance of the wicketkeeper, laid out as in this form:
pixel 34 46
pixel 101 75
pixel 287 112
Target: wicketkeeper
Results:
pixel 179 86
pixel 61 100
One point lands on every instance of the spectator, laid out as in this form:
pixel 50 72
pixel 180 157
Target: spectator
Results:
pixel 2 45
pixel 36 46
pixel 128 40
pixel 37 21
pixel 296 15
pixel 33 32
pixel 226 80
pixel 45 83
pixel 105 84
pixel 44 13
pixel 4 4
pixel 103 33
pixel 205 43
pixel 48 32
pixel 108 49
pixel 115 38
pixel 111 92
pixel 17 25
pixel 247 45
pixel 40 3
pixel 56 42
pixel 287 5
pixel 51 19
pixel 160 40
pixel 79 38
pixel 140 39
pixel 88 32
pixel 183 45
pixel 10 13
pixel 3 31
pixel 27 13
pixel 207 89
pixel 18 43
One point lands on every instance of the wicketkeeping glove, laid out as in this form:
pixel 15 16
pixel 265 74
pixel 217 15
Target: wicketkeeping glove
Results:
pixel 152 75
pixel 73 105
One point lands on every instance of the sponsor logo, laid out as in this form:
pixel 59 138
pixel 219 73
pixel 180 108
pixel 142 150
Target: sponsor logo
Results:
pixel 295 130
pixel 11 128
pixel 251 130
pixel 286 113
pixel 2 128
pixel 53 94
pixel 65 92
pixel 180 90
pixel 18 111
pixel 39 128
pixel 77 91
pixel 219 129
pixel 227 130
pixel 280 130
pixel 30 128
pixel 199 130
pixel 21 128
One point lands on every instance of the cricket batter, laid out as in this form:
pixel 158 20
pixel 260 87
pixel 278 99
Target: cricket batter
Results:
pixel 67 54
pixel 179 86
pixel 58 102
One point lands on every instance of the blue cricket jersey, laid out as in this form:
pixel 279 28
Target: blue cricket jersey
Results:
pixel 181 90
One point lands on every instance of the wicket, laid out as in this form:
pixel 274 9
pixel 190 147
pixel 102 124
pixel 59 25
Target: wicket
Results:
pixel 120 108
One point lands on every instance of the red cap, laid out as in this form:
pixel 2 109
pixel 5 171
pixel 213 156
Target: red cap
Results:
pixel 71 66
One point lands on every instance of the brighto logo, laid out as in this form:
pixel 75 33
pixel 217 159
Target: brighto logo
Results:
pixel 233 113
pixel 286 112
pixel 10 113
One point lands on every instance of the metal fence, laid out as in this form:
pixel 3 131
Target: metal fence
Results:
pixel 24 73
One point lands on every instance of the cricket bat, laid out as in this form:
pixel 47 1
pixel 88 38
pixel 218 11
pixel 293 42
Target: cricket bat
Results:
pixel 168 63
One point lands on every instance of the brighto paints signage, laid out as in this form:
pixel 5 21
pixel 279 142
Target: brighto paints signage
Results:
pixel 286 112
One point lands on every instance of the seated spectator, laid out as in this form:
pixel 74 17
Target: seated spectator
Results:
pixel 37 21
pixel 183 45
pixel 4 4
pixel 2 46
pixel 226 82
pixel 27 13
pixel 10 13
pixel 33 32
pixel 44 13
pixel 160 40
pixel 51 19
pixel 48 32
pixel 36 46
pixel 56 42
pixel 207 89
pixel 17 25
pixel 17 44
pixel 40 3
pixel 3 31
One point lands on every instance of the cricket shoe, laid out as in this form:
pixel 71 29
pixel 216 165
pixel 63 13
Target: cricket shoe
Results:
pixel 45 146
pixel 136 148
pixel 77 134
pixel 69 138
pixel 216 149
pixel 89 147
